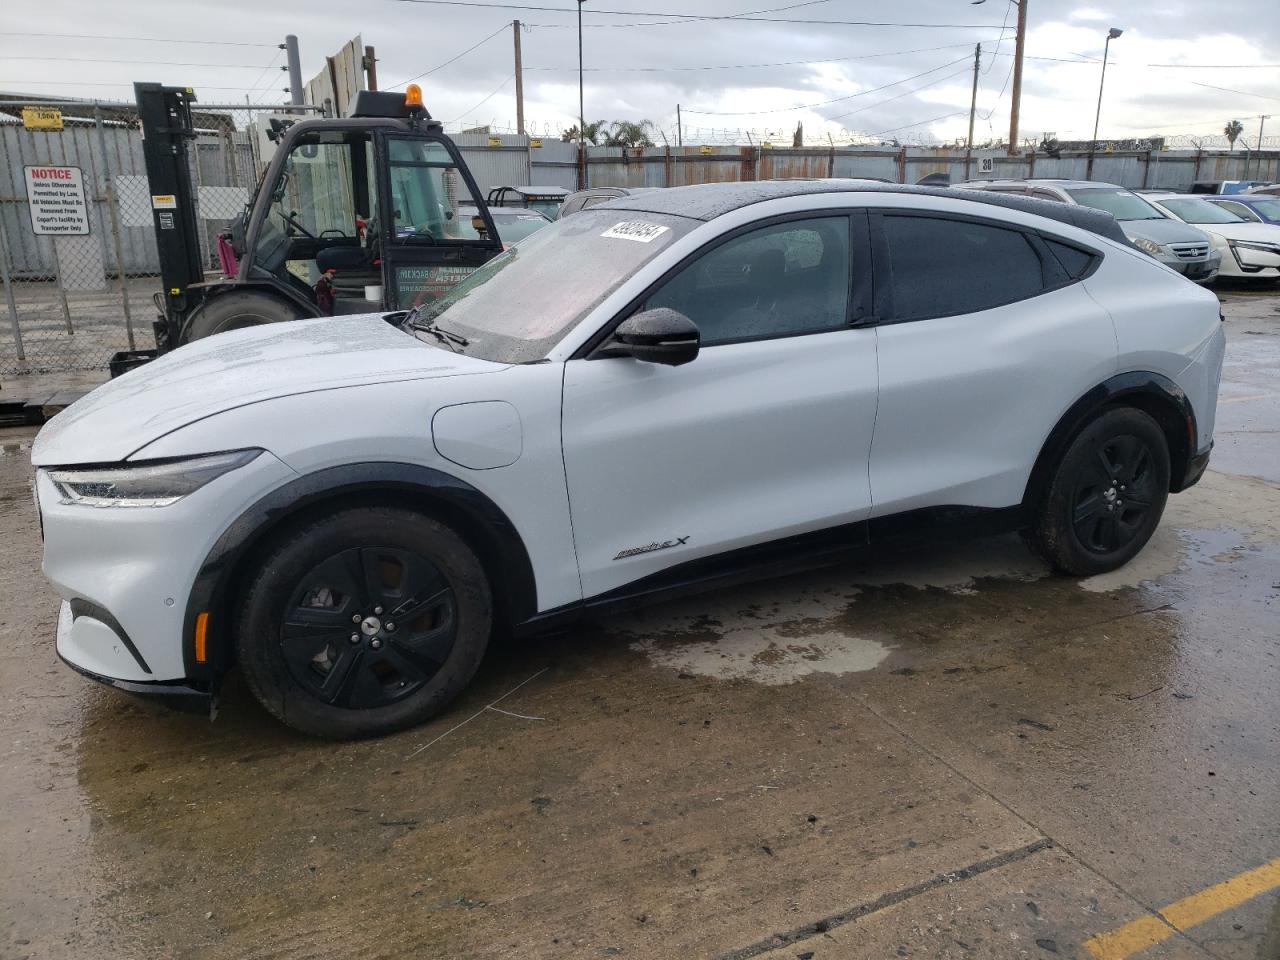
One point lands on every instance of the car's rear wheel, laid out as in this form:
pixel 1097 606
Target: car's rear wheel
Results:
pixel 364 622
pixel 1106 496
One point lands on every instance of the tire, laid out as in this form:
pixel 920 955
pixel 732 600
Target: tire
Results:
pixel 1106 495
pixel 237 310
pixel 347 576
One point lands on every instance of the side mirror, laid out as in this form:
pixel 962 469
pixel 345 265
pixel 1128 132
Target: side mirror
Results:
pixel 660 335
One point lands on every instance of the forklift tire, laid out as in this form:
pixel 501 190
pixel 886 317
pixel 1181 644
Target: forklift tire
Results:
pixel 235 311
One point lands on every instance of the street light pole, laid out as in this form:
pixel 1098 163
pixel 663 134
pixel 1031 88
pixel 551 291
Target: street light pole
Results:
pixel 1093 144
pixel 582 114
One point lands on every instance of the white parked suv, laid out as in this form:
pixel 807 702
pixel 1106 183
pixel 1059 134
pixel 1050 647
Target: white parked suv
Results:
pixel 711 382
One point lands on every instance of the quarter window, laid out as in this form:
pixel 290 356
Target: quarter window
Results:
pixel 1074 260
pixel 781 280
pixel 944 267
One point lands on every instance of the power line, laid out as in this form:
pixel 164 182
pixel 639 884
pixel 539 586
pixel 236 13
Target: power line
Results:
pixel 485 100
pixel 501 29
pixel 88 36
pixel 1004 24
pixel 267 69
pixel 1229 90
pixel 746 66
pixel 81 83
pixel 919 123
pixel 157 63
pixel 823 103
pixel 691 17
pixel 879 103
pixel 1219 66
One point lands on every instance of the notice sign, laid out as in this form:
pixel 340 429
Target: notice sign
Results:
pixel 55 200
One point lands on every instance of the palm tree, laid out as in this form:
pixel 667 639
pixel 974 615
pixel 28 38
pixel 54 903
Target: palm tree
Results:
pixel 629 133
pixel 591 133
pixel 1232 131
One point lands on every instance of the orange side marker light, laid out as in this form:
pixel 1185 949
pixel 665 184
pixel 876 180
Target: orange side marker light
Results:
pixel 202 637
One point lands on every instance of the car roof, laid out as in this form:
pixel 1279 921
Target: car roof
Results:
pixel 710 200
pixel 1047 182
pixel 1245 198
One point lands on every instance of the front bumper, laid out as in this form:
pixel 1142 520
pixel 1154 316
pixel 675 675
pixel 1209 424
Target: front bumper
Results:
pixel 126 573
pixel 1196 467
pixel 1201 271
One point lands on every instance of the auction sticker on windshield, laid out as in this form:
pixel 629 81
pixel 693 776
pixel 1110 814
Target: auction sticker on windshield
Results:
pixel 636 230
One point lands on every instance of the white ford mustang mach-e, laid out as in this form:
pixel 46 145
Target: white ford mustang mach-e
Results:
pixel 670 389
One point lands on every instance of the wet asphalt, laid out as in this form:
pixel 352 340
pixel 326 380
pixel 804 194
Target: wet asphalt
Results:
pixel 942 752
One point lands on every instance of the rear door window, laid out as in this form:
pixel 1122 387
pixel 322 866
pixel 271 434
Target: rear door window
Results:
pixel 942 267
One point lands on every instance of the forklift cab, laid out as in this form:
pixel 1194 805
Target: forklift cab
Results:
pixel 361 214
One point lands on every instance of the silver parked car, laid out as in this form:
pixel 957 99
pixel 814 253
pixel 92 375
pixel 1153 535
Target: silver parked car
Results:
pixel 1176 245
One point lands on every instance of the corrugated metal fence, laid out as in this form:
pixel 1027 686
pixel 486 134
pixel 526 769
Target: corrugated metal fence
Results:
pixel 73 300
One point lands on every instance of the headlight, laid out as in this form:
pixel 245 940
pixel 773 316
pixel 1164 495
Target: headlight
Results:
pixel 1260 247
pixel 1148 246
pixel 153 483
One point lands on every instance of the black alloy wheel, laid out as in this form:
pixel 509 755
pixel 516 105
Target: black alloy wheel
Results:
pixel 368 626
pixel 1112 500
pixel 363 621
pixel 1106 495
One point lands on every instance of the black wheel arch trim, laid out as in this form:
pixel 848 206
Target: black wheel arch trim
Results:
pixel 488 529
pixel 1152 392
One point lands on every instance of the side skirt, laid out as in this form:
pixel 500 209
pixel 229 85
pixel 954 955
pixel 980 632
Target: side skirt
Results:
pixel 808 551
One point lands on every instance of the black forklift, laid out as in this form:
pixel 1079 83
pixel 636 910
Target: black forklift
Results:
pixel 353 215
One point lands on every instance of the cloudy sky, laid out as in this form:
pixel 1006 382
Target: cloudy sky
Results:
pixel 761 72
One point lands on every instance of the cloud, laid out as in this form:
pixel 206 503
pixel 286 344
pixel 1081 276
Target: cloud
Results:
pixel 640 68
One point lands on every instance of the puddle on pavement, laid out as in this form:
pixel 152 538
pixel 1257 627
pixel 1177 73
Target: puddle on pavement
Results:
pixel 849 619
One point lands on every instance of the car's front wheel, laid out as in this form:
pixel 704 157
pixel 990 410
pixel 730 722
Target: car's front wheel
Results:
pixel 363 622
pixel 1106 496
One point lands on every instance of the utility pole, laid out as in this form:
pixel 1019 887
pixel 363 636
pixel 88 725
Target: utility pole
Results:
pixel 973 108
pixel 1019 46
pixel 296 93
pixel 679 128
pixel 370 68
pixel 515 29
pixel 1262 120
pixel 582 113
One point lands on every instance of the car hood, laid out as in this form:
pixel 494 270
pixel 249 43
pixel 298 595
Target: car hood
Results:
pixel 1162 231
pixel 235 369
pixel 1261 232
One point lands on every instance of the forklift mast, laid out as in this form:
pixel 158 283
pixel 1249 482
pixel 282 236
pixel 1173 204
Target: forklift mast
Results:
pixel 164 114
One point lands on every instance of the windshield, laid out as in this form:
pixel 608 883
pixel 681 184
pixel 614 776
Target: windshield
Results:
pixel 512 225
pixel 1192 210
pixel 1120 203
pixel 1267 209
pixel 520 304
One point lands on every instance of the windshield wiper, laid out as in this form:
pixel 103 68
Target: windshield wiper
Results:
pixel 415 321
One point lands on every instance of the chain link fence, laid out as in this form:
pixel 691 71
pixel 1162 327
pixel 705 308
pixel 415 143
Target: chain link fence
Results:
pixel 78 255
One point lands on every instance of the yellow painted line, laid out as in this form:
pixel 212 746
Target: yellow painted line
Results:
pixel 1145 932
